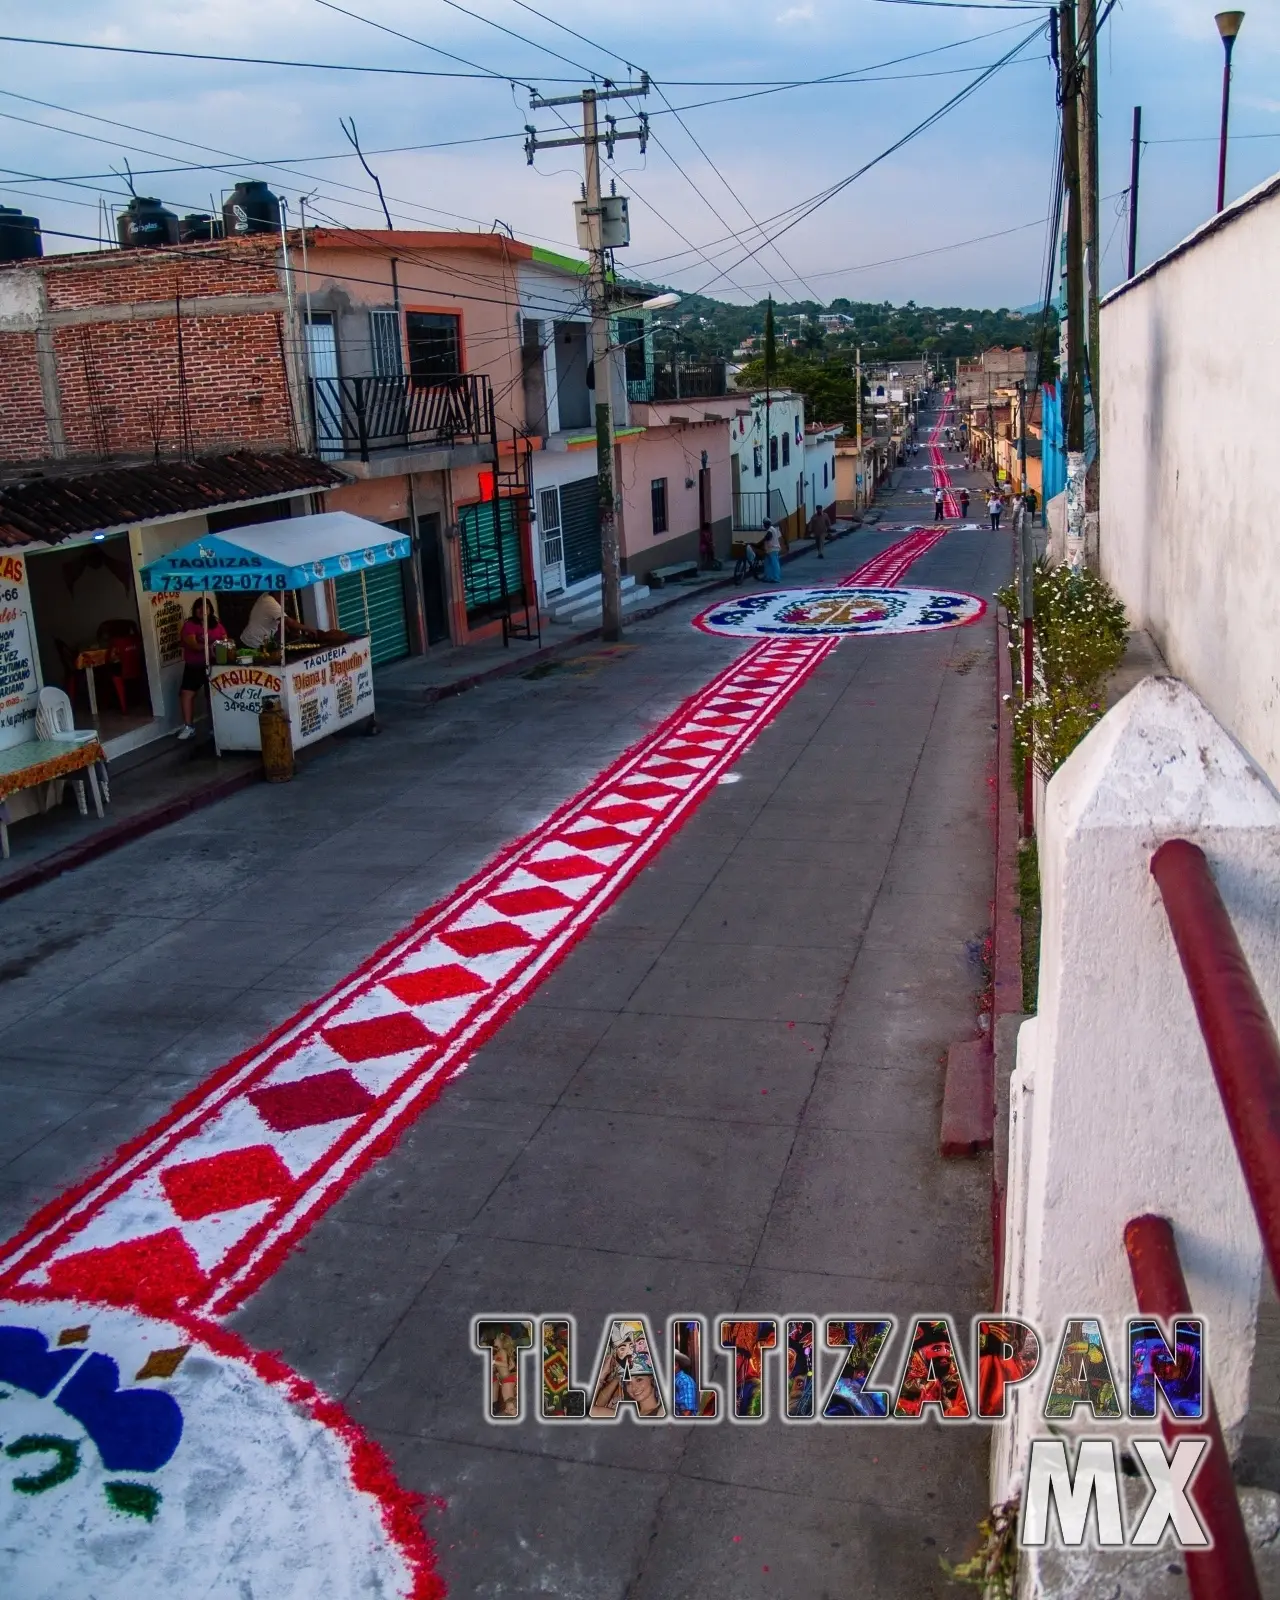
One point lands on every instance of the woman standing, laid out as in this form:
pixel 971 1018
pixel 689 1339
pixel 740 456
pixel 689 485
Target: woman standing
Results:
pixel 995 505
pixel 199 633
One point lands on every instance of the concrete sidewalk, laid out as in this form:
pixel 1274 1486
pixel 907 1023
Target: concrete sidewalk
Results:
pixel 163 782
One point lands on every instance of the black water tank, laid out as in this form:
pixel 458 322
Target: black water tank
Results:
pixel 145 224
pixel 19 236
pixel 199 227
pixel 250 208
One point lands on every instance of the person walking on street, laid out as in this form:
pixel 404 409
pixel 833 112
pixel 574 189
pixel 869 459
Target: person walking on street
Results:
pixel 820 530
pixel 964 502
pixel 772 553
pixel 994 507
pixel 937 505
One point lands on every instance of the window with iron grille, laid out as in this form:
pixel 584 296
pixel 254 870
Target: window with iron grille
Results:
pixel 384 344
pixel 824 474
pixel 757 462
pixel 786 449
pixel 773 454
pixel 658 502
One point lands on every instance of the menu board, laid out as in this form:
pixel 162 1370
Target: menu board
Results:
pixel 19 671
pixel 167 619
pixel 322 692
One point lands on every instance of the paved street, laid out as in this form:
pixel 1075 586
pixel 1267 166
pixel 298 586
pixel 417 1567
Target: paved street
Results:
pixel 726 1099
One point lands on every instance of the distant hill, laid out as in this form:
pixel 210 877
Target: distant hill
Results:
pixel 701 328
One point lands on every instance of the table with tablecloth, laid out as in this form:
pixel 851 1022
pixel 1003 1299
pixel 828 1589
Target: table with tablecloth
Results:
pixel 43 761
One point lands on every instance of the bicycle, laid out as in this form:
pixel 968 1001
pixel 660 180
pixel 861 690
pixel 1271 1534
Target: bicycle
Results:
pixel 750 564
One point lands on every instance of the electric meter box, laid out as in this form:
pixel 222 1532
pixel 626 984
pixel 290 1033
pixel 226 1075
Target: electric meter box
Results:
pixel 615 222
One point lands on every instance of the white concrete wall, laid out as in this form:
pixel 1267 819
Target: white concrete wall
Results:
pixel 1190 355
pixel 820 451
pixel 786 415
pixel 1114 1108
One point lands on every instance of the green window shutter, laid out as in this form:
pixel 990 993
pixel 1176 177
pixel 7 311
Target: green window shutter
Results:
pixel 388 627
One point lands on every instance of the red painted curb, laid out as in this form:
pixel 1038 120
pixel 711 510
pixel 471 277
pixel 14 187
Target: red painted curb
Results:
pixel 1006 913
pixel 1007 921
pixel 968 1099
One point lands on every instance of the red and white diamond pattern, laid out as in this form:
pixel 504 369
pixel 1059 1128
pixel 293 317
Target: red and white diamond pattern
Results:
pixel 202 1207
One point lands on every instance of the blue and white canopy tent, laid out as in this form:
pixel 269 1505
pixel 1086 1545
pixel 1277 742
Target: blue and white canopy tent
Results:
pixel 273 557
pixel 290 554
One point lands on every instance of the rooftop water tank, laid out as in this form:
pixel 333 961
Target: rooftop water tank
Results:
pixel 199 227
pixel 145 224
pixel 19 236
pixel 250 208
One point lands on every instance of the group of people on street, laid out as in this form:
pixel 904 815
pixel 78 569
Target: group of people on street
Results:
pixel 995 505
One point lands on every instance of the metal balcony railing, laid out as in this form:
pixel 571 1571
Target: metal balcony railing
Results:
pixel 750 506
pixel 679 382
pixel 361 417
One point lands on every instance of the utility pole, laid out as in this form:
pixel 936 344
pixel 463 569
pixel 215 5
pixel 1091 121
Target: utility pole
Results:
pixel 1087 113
pixel 770 363
pixel 1026 609
pixel 1134 158
pixel 591 139
pixel 1074 407
pixel 859 490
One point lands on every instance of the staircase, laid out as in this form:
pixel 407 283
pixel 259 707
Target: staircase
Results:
pixel 582 610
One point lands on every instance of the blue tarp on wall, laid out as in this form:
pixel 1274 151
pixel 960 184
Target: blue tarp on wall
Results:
pixel 1054 457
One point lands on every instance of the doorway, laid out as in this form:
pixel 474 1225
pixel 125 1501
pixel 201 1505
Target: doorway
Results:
pixel 552 536
pixel 326 388
pixel 572 359
pixel 706 533
pixel 434 601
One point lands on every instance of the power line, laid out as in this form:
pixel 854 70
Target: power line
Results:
pixel 482 75
pixel 484 72
pixel 272 61
pixel 79 179
pixel 793 211
pixel 830 193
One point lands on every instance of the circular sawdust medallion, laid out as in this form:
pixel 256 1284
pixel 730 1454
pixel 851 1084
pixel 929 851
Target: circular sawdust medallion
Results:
pixel 811 613
pixel 141 1456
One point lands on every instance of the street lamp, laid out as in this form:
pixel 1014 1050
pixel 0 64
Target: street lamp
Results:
pixel 663 302
pixel 1228 26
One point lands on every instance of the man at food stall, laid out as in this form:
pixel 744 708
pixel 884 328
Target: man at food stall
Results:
pixel 264 623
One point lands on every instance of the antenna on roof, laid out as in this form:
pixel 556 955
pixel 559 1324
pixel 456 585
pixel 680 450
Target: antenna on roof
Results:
pixel 377 183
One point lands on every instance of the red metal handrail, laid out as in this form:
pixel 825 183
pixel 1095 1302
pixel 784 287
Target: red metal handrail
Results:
pixel 1225 1571
pixel 1238 1033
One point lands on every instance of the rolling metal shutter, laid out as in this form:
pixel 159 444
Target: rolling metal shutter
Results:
pixel 492 567
pixel 580 526
pixel 388 629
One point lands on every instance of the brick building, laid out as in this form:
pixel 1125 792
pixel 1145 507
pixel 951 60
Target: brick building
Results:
pixel 147 397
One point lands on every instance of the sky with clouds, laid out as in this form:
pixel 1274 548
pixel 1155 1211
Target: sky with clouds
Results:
pixel 984 169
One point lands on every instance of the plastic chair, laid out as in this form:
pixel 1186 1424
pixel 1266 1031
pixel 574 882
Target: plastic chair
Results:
pixel 56 720
pixel 124 637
